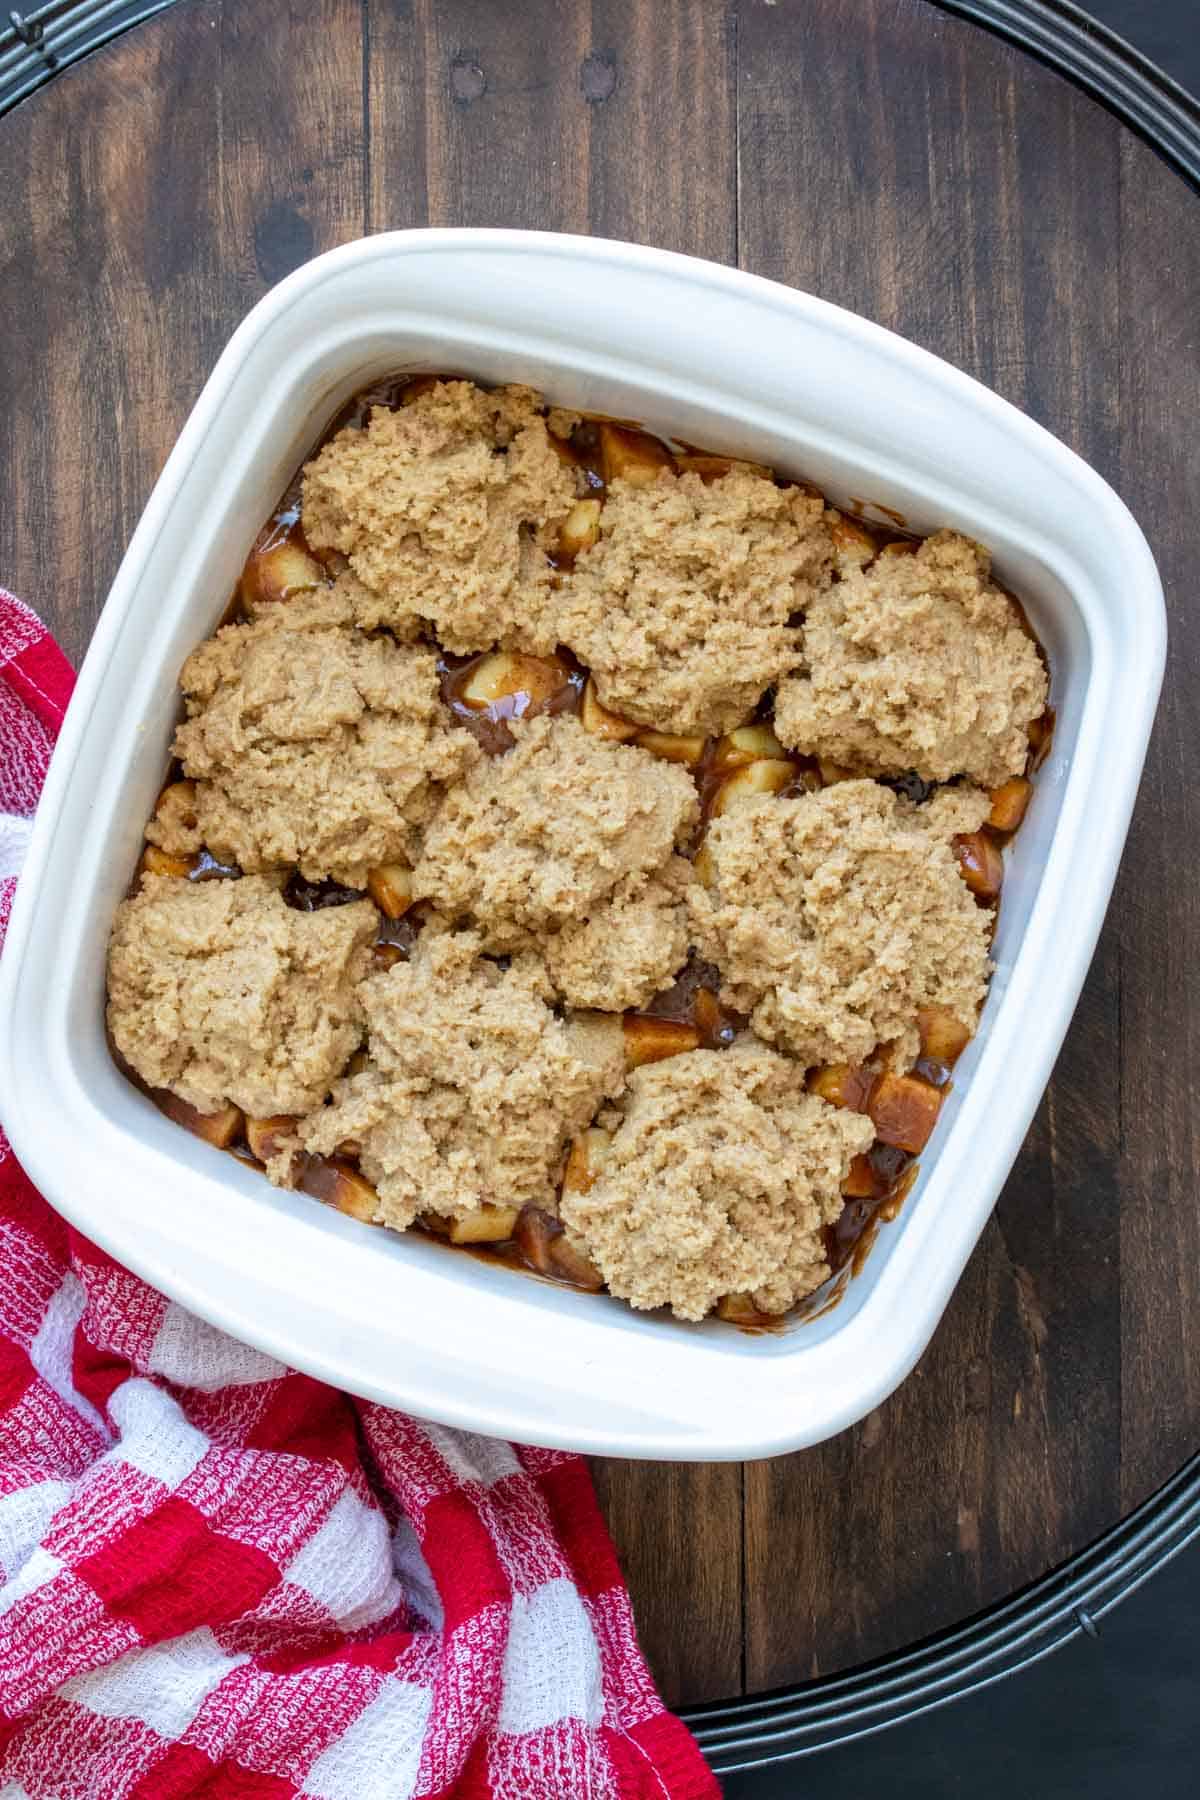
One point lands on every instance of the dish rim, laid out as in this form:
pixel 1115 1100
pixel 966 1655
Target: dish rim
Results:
pixel 895 1332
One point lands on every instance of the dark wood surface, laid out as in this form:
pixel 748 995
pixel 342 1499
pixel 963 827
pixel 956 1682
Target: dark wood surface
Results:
pixel 905 164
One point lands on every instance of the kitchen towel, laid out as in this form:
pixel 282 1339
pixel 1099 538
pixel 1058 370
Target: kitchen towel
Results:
pixel 223 1580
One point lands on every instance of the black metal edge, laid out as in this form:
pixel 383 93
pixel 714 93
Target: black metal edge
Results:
pixel 1042 1618
pixel 1014 1635
pixel 40 41
pixel 1106 65
pixel 1029 1626
pixel 37 43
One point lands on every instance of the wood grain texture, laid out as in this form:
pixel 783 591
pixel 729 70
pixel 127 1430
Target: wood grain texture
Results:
pixel 1156 908
pixel 917 189
pixel 504 115
pixel 660 81
pixel 659 90
pixel 899 162
pixel 107 215
pixel 678 1530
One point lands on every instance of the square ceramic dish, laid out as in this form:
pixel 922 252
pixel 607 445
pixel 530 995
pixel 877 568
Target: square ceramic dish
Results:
pixel 720 359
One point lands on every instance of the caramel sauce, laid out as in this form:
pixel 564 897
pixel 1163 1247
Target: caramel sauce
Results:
pixel 848 1241
pixel 315 896
pixel 1041 734
pixel 582 450
pixel 394 938
pixel 205 867
pixel 692 998
pixel 283 527
pixel 390 393
pixel 508 1254
pixel 937 1074
pixel 488 724
pixel 401 934
pixel 857 509
pixel 318 1175
pixel 234 611
pixel 910 787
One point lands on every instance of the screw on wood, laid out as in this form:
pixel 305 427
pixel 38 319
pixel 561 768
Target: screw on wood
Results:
pixel 32 34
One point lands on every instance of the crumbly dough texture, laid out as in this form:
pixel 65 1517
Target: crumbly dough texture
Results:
pixel 554 895
pixel 948 810
pixel 472 1086
pixel 538 838
pixel 718 1179
pixel 314 745
pixel 221 992
pixel 628 948
pixel 344 601
pixel 836 916
pixel 446 508
pixel 681 608
pixel 916 662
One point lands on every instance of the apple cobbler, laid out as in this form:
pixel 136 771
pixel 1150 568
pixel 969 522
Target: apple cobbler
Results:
pixel 581 848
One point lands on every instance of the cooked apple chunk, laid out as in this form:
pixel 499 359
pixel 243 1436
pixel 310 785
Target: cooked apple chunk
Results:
pixel 648 1039
pixel 748 784
pixel 904 1111
pixel 600 722
pixel 580 529
pixel 511 675
pixel 277 570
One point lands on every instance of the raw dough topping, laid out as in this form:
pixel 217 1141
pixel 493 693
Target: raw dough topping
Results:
pixel 916 662
pixel 312 745
pixel 628 948
pixel 472 1086
pixel 446 508
pixel 836 916
pixel 718 1180
pixel 621 906
pixel 221 992
pixel 345 601
pixel 534 839
pixel 681 609
pixel 948 811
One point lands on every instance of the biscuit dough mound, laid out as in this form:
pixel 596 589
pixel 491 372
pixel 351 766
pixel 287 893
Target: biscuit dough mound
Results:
pixel 948 810
pixel 681 608
pixel 540 837
pixel 472 1086
pixel 313 745
pixel 836 916
pixel 916 662
pixel 628 948
pixel 343 600
pixel 446 508
pixel 220 992
pixel 717 1180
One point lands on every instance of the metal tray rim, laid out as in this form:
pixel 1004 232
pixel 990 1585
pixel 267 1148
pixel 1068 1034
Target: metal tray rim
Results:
pixel 1017 1632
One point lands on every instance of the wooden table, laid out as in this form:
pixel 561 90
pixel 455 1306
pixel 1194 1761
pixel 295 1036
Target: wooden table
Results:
pixel 908 165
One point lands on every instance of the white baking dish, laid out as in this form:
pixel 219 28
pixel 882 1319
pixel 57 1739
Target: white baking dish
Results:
pixel 724 360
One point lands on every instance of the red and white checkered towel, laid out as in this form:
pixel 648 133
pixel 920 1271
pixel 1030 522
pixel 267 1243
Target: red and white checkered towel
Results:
pixel 222 1579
